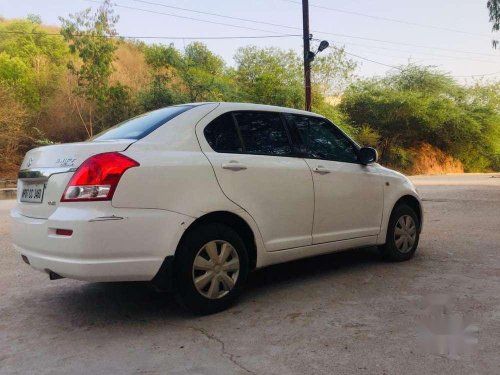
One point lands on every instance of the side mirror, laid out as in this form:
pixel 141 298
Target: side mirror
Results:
pixel 367 155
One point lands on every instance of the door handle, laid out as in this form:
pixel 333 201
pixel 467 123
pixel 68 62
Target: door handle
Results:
pixel 321 170
pixel 233 165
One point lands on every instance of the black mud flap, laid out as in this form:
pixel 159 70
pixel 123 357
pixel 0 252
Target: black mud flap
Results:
pixel 164 279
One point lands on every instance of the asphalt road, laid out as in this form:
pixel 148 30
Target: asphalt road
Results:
pixel 345 313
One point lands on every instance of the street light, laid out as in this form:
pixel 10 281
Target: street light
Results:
pixel 322 46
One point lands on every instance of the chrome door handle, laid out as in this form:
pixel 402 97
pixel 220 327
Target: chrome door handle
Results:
pixel 233 165
pixel 321 170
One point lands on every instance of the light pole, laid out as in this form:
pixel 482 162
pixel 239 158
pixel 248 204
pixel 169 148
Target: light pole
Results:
pixel 308 54
pixel 307 60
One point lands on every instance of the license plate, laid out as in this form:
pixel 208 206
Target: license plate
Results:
pixel 32 193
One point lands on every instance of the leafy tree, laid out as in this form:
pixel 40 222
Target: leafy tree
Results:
pixel 35 18
pixel 162 60
pixel 30 62
pixel 270 76
pixel 161 57
pixel 14 133
pixel 203 74
pixel 90 37
pixel 421 105
pixel 195 75
pixel 119 106
pixel 332 72
pixel 274 76
pixel 494 9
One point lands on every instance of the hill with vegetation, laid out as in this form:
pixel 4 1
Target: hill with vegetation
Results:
pixel 67 84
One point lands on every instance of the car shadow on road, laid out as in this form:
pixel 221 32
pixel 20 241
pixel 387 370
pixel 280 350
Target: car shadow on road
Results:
pixel 95 303
pixel 301 270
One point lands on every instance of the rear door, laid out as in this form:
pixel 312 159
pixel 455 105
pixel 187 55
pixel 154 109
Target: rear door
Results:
pixel 348 195
pixel 252 157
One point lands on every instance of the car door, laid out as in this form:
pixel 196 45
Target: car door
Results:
pixel 254 164
pixel 348 195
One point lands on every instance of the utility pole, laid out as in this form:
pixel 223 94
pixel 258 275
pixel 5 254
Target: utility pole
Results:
pixel 307 60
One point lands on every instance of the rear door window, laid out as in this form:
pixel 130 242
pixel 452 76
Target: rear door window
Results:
pixel 262 133
pixel 140 126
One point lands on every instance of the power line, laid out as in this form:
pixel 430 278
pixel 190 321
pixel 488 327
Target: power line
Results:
pixel 402 69
pixel 278 35
pixel 216 14
pixel 389 19
pixel 406 44
pixel 189 18
pixel 280 25
pixel 411 53
pixel 479 75
pixel 160 37
pixel 244 37
pixel 364 58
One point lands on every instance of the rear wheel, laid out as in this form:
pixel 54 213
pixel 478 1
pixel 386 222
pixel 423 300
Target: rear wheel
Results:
pixel 402 235
pixel 211 266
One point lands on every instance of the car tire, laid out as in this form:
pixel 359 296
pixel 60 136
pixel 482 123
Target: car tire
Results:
pixel 402 235
pixel 211 267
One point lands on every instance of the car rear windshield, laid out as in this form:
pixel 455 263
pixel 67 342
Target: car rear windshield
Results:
pixel 140 126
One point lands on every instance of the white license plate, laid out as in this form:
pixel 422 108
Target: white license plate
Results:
pixel 32 193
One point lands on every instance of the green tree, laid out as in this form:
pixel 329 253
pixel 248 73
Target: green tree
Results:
pixel 204 74
pixel 421 105
pixel 31 62
pixel 90 37
pixel 195 75
pixel 494 9
pixel 162 60
pixel 270 76
pixel 332 72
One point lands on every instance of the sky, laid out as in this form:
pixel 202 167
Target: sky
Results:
pixel 453 35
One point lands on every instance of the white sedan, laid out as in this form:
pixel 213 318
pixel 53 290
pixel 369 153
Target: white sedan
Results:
pixel 192 197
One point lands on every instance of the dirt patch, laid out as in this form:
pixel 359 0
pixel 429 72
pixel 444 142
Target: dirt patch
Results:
pixel 428 159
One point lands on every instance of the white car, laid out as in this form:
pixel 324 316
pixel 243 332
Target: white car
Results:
pixel 194 196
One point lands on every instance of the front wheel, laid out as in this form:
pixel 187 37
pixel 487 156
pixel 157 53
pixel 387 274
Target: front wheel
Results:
pixel 211 267
pixel 402 235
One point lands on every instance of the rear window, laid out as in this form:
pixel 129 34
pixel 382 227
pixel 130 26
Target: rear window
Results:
pixel 140 126
pixel 222 135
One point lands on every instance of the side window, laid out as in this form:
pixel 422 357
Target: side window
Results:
pixel 322 140
pixel 222 136
pixel 263 133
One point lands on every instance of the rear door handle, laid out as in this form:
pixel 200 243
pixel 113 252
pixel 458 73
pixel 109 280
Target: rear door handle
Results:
pixel 233 165
pixel 321 170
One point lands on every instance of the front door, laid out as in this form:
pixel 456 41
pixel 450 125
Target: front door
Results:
pixel 253 161
pixel 348 195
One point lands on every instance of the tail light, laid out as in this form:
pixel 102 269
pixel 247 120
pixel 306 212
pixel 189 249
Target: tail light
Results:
pixel 96 179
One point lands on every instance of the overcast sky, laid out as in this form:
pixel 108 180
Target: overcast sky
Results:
pixel 456 37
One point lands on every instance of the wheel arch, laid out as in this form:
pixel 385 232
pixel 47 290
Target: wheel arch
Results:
pixel 413 203
pixel 233 221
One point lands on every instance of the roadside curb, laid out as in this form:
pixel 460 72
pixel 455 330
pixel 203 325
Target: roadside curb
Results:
pixel 9 193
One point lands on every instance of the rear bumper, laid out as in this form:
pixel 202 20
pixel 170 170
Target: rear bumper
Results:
pixel 107 243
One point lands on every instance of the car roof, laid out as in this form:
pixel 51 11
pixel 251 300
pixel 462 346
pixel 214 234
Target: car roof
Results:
pixel 235 106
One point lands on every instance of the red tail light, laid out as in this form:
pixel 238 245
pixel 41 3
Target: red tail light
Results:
pixel 96 179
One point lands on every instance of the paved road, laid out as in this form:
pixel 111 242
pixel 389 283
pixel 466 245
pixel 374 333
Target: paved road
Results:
pixel 346 313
